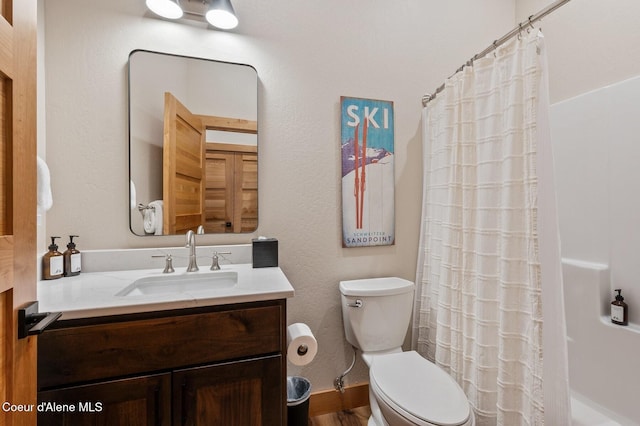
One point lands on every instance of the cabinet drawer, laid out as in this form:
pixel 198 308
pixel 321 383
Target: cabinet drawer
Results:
pixel 91 352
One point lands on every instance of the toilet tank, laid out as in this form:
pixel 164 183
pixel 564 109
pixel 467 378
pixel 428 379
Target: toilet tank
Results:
pixel 381 320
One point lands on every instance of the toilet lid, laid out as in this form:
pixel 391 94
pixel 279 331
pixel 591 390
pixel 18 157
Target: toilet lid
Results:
pixel 408 382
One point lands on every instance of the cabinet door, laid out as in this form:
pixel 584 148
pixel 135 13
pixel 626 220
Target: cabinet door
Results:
pixel 219 192
pixel 246 188
pixel 231 188
pixel 140 401
pixel 18 234
pixel 182 168
pixel 248 393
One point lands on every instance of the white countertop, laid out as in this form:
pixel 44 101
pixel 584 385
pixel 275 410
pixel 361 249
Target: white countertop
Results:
pixel 94 294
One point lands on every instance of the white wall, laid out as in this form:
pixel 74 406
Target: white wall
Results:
pixel 594 78
pixel 307 54
pixel 590 43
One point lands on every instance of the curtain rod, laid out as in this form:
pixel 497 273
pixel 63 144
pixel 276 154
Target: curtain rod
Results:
pixel 515 31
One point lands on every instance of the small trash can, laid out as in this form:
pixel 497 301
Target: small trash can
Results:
pixel 298 392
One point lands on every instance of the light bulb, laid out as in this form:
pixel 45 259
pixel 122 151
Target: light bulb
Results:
pixel 169 9
pixel 222 19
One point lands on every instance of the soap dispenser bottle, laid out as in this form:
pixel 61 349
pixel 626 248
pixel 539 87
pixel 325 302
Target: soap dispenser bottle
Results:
pixel 52 262
pixel 619 310
pixel 72 259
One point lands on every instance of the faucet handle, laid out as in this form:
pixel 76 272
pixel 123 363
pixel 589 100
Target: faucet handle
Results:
pixel 168 264
pixel 215 266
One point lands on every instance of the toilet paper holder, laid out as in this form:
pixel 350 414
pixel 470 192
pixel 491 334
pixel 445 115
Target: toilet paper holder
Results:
pixel 302 350
pixel 302 346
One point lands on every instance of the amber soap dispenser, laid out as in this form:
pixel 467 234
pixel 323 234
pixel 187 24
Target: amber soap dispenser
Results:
pixel 52 262
pixel 619 310
pixel 72 259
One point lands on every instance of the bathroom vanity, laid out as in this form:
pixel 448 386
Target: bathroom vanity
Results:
pixel 208 364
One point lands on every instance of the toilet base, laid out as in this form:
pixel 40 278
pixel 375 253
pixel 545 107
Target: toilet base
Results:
pixel 376 418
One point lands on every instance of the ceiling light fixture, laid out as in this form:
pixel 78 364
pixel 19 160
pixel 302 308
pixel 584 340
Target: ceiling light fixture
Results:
pixel 218 13
pixel 221 15
pixel 169 9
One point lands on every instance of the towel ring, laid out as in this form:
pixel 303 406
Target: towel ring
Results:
pixel 142 207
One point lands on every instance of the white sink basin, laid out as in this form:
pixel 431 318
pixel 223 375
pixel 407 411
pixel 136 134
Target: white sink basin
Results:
pixel 181 283
pixel 130 291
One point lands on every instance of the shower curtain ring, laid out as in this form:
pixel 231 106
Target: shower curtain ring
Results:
pixel 520 31
pixel 531 25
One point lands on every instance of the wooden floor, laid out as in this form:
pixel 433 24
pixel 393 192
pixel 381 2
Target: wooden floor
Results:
pixel 355 417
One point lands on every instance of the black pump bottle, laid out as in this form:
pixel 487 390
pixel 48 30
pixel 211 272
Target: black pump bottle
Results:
pixel 619 310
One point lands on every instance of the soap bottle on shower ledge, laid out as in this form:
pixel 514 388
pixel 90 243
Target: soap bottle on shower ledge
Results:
pixel 619 310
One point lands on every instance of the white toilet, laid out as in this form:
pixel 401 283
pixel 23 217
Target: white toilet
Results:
pixel 404 387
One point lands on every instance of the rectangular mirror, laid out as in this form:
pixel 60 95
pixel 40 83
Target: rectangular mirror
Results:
pixel 193 145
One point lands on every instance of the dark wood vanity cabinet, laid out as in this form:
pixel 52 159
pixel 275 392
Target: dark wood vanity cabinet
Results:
pixel 222 365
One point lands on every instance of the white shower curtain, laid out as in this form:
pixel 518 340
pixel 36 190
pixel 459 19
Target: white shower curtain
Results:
pixel 488 272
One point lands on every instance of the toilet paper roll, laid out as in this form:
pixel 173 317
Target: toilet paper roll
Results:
pixel 301 345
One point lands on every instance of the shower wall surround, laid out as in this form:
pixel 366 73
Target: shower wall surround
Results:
pixel 595 142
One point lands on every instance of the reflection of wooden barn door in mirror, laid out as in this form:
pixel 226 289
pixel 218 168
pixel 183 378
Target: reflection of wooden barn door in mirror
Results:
pixel 183 168
pixel 17 203
pixel 231 188
pixel 219 193
pixel 246 209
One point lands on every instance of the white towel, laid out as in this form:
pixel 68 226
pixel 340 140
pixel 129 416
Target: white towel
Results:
pixel 44 196
pixel 157 216
pixel 132 195
pixel 149 221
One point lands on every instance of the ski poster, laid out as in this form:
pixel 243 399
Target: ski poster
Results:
pixel 367 147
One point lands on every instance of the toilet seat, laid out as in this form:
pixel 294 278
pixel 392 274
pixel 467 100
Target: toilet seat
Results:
pixel 418 390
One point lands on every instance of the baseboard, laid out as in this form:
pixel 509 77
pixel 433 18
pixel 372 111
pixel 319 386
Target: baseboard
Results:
pixel 332 401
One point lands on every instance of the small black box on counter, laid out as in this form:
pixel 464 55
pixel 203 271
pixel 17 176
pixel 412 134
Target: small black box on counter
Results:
pixel 265 252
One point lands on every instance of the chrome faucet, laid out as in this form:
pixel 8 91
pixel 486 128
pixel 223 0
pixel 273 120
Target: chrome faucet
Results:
pixel 191 245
